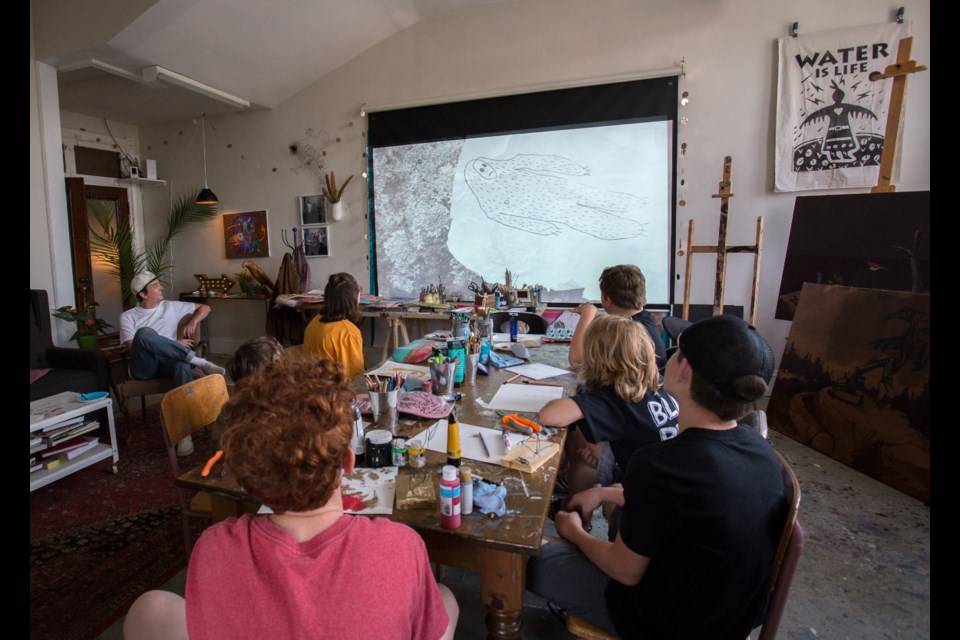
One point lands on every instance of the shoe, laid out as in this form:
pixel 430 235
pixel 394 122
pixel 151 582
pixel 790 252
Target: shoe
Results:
pixel 210 368
pixel 185 447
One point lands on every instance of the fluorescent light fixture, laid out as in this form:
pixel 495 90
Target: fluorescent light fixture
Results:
pixel 102 66
pixel 155 72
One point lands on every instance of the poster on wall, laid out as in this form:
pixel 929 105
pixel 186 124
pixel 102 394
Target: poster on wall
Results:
pixel 831 117
pixel 245 235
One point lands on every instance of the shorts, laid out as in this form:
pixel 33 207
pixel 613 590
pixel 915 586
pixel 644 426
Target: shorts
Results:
pixel 608 471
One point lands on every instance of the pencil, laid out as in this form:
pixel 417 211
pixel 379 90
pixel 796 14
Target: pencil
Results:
pixel 514 378
pixel 542 384
pixel 486 449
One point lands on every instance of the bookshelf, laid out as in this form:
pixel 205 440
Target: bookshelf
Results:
pixel 62 407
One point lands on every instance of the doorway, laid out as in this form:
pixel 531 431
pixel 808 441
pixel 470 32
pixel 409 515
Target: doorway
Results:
pixel 92 279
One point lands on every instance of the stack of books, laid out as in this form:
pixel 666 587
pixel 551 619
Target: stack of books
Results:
pixel 62 441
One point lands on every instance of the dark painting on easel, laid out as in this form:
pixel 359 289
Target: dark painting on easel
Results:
pixel 854 382
pixel 871 240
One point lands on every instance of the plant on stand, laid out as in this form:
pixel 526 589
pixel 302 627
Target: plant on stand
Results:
pixel 88 325
pixel 334 195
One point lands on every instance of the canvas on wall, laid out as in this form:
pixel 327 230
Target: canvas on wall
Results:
pixel 854 382
pixel 245 235
pixel 871 240
pixel 831 118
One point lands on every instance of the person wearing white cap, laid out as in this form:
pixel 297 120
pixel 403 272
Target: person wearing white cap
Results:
pixel 691 554
pixel 149 330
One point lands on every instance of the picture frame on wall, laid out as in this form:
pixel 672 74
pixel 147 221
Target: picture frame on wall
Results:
pixel 245 235
pixel 316 241
pixel 313 210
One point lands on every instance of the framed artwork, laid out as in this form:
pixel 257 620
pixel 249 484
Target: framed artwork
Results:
pixel 312 210
pixel 245 235
pixel 316 241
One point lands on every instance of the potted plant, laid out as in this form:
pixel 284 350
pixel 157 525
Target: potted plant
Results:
pixel 246 281
pixel 88 325
pixel 334 195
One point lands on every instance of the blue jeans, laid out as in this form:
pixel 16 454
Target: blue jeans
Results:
pixel 153 356
pixel 563 575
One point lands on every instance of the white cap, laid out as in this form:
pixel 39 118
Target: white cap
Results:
pixel 449 472
pixel 141 280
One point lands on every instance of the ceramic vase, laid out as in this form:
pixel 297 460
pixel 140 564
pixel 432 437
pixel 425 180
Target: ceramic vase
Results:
pixel 336 211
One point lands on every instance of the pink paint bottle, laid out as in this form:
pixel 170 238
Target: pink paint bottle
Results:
pixel 449 498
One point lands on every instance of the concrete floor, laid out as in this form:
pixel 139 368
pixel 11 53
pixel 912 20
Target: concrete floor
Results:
pixel 864 573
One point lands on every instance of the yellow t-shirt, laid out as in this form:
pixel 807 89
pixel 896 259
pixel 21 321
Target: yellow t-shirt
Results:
pixel 340 341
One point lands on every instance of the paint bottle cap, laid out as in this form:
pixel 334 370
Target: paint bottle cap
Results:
pixel 449 472
pixel 465 474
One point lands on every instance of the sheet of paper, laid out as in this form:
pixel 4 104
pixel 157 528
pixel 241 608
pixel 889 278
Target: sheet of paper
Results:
pixel 537 371
pixel 524 397
pixel 365 491
pixel 499 338
pixel 434 438
pixel 412 371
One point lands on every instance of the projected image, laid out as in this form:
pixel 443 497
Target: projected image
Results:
pixel 554 207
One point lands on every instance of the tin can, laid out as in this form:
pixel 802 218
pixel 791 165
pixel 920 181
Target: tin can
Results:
pixel 416 456
pixel 399 452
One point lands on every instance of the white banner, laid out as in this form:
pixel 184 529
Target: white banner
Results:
pixel 831 117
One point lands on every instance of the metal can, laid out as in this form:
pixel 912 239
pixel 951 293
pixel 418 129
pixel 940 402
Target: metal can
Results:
pixel 416 455
pixel 399 452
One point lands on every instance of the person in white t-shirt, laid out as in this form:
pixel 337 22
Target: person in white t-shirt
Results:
pixel 149 330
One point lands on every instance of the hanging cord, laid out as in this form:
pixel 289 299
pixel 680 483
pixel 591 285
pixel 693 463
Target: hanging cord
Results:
pixel 131 162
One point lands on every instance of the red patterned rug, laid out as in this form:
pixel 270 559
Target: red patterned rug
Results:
pixel 99 539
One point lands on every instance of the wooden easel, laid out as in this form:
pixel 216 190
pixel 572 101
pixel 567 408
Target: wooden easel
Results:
pixel 899 71
pixel 721 249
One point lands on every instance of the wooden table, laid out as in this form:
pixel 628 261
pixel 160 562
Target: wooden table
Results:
pixel 496 548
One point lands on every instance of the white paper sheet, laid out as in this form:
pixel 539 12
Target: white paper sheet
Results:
pixel 434 438
pixel 412 371
pixel 524 397
pixel 537 371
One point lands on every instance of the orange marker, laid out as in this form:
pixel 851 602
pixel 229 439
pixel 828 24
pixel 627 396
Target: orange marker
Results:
pixel 212 461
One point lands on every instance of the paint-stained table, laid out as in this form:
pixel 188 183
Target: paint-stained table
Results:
pixel 496 548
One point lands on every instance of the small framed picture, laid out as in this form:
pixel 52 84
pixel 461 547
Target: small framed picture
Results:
pixel 312 210
pixel 316 241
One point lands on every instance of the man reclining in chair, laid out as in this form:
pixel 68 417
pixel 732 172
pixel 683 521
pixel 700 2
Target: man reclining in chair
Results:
pixel 149 330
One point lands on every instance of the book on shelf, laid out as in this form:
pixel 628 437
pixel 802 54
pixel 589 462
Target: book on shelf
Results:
pixel 57 449
pixel 62 425
pixel 40 446
pixel 35 439
pixel 71 431
pixel 35 465
pixel 91 442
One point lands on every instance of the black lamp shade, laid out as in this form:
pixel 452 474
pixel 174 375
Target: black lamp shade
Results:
pixel 207 197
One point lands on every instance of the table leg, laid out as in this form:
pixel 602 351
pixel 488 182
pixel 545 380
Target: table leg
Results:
pixel 403 331
pixel 503 576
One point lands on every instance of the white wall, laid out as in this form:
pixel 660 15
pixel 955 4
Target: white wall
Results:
pixel 730 52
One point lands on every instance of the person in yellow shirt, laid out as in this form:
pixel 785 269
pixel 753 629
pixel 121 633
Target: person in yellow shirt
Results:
pixel 334 334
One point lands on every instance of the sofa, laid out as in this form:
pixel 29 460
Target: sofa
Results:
pixel 79 370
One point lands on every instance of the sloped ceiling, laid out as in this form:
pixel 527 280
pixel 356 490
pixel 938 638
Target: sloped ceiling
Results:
pixel 261 51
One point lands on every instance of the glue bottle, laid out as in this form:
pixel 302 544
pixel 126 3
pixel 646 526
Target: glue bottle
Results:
pixel 466 491
pixel 449 498
pixel 453 440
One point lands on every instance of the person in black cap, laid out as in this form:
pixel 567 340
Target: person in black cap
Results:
pixel 701 513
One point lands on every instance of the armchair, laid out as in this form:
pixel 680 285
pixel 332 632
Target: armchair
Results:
pixel 80 370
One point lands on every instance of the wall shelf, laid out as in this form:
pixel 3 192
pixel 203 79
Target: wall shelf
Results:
pixel 143 182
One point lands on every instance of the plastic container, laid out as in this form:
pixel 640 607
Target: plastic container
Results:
pixel 466 491
pixel 378 448
pixel 359 443
pixel 416 456
pixel 514 327
pixel 485 351
pixel 449 498
pixel 399 452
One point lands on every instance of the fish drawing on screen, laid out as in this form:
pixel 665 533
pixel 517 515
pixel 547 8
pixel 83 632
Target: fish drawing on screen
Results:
pixel 523 192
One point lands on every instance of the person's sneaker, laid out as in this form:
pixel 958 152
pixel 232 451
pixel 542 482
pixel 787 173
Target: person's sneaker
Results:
pixel 213 368
pixel 185 446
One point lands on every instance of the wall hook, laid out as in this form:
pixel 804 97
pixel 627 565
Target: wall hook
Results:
pixel 794 28
pixel 900 15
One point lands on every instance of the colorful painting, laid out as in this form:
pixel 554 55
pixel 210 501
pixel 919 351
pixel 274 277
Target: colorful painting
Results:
pixel 312 210
pixel 245 235
pixel 854 382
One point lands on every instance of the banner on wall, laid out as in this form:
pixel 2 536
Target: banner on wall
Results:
pixel 831 117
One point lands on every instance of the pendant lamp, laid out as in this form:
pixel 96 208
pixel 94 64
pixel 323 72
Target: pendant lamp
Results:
pixel 206 196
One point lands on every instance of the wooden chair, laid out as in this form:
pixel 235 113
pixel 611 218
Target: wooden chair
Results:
pixel 183 411
pixel 131 388
pixel 785 562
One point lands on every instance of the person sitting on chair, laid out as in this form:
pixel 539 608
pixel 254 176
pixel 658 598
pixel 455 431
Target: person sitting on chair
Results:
pixel 334 333
pixel 150 332
pixel 307 569
pixel 623 292
pixel 692 554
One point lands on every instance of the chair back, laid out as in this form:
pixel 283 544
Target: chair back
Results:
pixel 787 556
pixel 536 323
pixel 190 407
